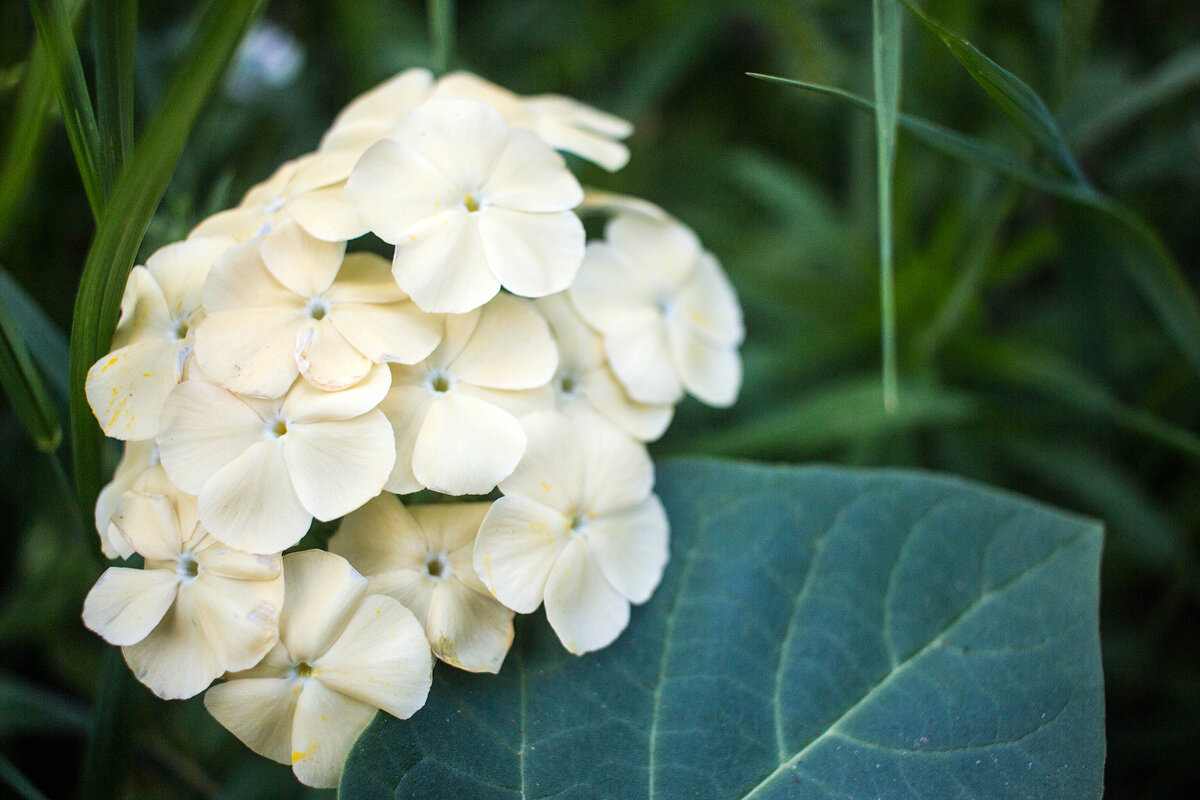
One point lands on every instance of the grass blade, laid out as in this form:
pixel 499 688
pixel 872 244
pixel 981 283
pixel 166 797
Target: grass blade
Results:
pixel 28 708
pixel 24 387
pixel 1075 20
pixel 41 335
pixel 441 34
pixel 136 195
pixel 110 742
pixel 1018 102
pixel 66 73
pixel 885 58
pixel 18 782
pixel 116 37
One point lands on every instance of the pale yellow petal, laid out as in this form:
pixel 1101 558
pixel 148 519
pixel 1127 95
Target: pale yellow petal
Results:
pixel 412 587
pixel 532 254
pixel 392 332
pixel 382 106
pixel 630 546
pixel 466 446
pixel 552 471
pixel 518 544
pixel 150 523
pixel 579 348
pixel 464 139
pixel 619 472
pixel 305 403
pixel 442 264
pixel 379 537
pixel 126 604
pixel 224 561
pixel 711 372
pixel 327 360
pixel 645 422
pixel 582 607
pixel 597 148
pixel 664 252
pixel 450 527
pixel 707 302
pixel 204 428
pixel 175 660
pixel 126 389
pixel 136 458
pixel 405 407
pixel 144 311
pixel 240 618
pixel 393 189
pixel 337 466
pixel 259 712
pixel 327 214
pixel 324 729
pixel 239 280
pixel 608 287
pixel 180 269
pixel 530 176
pixel 510 347
pixel 321 593
pixel 640 356
pixel 250 503
pixel 468 630
pixel 300 261
pixel 251 351
pixel 365 278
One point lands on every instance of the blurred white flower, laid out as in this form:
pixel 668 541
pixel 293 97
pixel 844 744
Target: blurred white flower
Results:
pixel 561 122
pixel 137 458
pixel 341 655
pixel 268 58
pixel 263 469
pixel 577 528
pixel 669 317
pixel 455 415
pixel 288 303
pixel 584 383
pixel 197 609
pixel 471 206
pixel 159 313
pixel 422 557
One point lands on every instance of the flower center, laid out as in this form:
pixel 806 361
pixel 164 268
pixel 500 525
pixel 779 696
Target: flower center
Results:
pixel 187 567
pixel 317 308
pixel 579 525
pixel 438 565
pixel 666 306
pixel 471 203
pixel 180 329
pixel 302 670
pixel 568 384
pixel 276 427
pixel 440 382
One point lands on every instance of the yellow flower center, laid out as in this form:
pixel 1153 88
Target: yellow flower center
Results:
pixel 470 202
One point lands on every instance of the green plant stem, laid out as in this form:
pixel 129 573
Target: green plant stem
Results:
pixel 885 54
pixel 441 34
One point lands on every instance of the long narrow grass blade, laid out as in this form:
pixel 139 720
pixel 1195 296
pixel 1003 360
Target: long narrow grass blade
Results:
pixel 46 342
pixel 137 193
pixel 27 707
pixel 116 37
pixel 1075 20
pixel 66 73
pixel 24 387
pixel 441 34
pixel 12 776
pixel 885 57
pixel 1018 102
pixel 110 743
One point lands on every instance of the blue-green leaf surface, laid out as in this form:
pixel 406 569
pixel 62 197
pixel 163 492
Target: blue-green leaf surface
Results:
pixel 818 633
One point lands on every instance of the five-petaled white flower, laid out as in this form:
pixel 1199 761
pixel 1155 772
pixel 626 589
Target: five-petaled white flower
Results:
pixel 669 317
pixel 422 557
pixel 198 608
pixel 263 469
pixel 153 341
pixel 342 654
pixel 578 528
pixel 471 205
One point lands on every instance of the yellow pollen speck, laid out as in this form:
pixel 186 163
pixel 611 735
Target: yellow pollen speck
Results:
pixel 412 236
pixel 545 486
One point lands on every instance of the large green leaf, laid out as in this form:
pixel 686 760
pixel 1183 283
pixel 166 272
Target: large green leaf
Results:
pixel 818 633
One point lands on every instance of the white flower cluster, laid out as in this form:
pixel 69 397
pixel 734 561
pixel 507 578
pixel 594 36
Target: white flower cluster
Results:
pixel 264 377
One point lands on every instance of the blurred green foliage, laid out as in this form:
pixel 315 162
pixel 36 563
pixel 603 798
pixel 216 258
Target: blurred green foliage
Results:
pixel 1027 358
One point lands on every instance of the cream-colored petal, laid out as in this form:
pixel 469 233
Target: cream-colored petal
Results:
pixel 466 446
pixel 641 358
pixel 240 280
pixel 393 332
pixel 532 255
pixel 612 202
pixel 324 729
pixel 238 224
pixel 582 607
pixel 381 106
pixel 579 348
pixel 175 660
pixel 618 470
pixel 327 214
pixel 136 458
pixel 144 311
pixel 665 252
pixel 126 389
pixel 442 264
pixel 710 372
pixel 449 527
pixel 608 287
pixel 553 470
pixel 706 302
pixel 645 422
pixel 464 139
pixel 598 149
pixel 337 466
pixel 379 537
pixel 530 176
pixel 240 618
pixel 469 86
pixel 412 587
pixel 204 428
pixel 305 403
pixel 321 169
pixel 459 330
pixel 392 189
pixel 518 544
pixel 299 260
pixel 251 351
pixel 517 403
pixel 150 523
pixel 277 663
pixel 180 268
pixel 468 630
pixel 365 278
pixel 321 593
pixel 250 503
pixel 510 347
pixel 327 360
pixel 583 117
pixel 631 547
pixel 225 562
pixel 405 407
pixel 381 658
pixel 259 712
pixel 126 604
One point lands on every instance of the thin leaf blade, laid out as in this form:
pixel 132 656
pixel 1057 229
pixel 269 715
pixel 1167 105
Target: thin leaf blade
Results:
pixel 116 39
pixel 24 386
pixel 885 59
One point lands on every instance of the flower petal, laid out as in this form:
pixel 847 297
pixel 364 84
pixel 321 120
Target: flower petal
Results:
pixel 630 547
pixel 641 358
pixel 179 269
pixel 451 528
pixel 709 371
pixel 510 347
pixel 466 446
pixel 337 466
pixel 643 421
pixel 709 305
pixel 259 711
pixel 380 537
pixel 393 189
pixel 175 660
pixel 144 310
pixel 582 607
pixel 223 561
pixel 324 729
pixel 365 278
pixel 597 148
pixel 665 252
pixel 393 332
pixel 532 255
pixel 204 428
pixel 240 618
pixel 518 544
pixel 239 279
pixel 305 403
pixel 552 471
pixel 137 458
pixel 405 407
pixel 530 176
pixel 442 264
pixel 618 470
pixel 381 658
pixel 413 588
pixel 327 360
pixel 321 592
pixel 150 523
pixel 327 214
pixel 608 287
pixel 251 351
pixel 250 504
pixel 468 630
pixel 126 389
pixel 126 604
pixel 464 139
pixel 299 260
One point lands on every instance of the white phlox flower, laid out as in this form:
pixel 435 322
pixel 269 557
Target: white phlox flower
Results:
pixel 561 122
pixel 584 383
pixel 153 341
pixel 289 304
pixel 137 458
pixel 198 609
pixel 669 317
pixel 342 654
pixel 311 190
pixel 455 415
pixel 374 115
pixel 422 557
pixel 578 528
pixel 471 205
pixel 263 469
